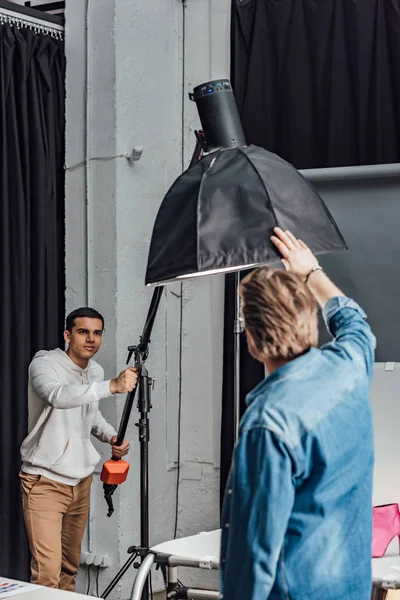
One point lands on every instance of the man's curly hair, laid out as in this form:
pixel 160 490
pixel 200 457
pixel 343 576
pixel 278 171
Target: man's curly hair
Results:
pixel 280 312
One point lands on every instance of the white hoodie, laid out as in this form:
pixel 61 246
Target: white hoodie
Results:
pixel 63 410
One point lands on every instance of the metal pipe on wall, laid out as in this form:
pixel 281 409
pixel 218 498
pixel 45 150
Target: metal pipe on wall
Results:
pixel 352 173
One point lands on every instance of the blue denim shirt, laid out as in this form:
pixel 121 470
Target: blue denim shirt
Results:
pixel 297 518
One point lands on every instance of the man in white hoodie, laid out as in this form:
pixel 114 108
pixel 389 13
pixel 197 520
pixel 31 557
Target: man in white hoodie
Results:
pixel 58 458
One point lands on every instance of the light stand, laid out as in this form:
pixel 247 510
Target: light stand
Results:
pixel 237 330
pixel 145 385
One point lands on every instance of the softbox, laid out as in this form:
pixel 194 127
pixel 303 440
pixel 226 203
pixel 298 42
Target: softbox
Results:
pixel 219 215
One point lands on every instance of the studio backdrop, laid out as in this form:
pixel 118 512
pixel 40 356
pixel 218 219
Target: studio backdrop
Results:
pixel 318 82
pixel 32 248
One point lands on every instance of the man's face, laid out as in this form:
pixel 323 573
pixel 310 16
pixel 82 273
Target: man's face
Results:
pixel 85 338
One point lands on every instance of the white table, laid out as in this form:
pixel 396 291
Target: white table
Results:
pixel 41 593
pixel 386 571
pixel 200 548
pixel 199 551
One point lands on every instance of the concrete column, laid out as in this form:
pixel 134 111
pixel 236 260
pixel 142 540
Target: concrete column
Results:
pixel 143 59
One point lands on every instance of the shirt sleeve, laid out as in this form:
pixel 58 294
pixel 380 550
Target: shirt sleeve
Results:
pixel 353 338
pixel 102 430
pixel 260 498
pixel 45 383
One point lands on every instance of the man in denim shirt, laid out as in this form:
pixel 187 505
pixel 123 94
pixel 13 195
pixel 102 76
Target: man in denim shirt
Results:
pixel 297 519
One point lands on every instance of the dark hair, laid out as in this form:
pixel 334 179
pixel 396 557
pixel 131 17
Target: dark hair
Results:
pixel 85 311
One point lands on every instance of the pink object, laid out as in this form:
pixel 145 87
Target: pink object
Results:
pixel 386 527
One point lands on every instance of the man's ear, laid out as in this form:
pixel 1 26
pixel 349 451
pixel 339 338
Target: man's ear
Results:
pixel 67 336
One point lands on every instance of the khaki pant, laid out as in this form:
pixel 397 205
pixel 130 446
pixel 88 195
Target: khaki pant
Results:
pixel 381 594
pixel 55 518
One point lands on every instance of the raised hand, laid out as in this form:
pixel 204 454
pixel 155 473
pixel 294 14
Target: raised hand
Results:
pixel 297 257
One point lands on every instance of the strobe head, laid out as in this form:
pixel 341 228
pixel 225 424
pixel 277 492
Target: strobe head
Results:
pixel 219 115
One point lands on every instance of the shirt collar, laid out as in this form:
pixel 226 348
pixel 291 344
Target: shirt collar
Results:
pixel 286 370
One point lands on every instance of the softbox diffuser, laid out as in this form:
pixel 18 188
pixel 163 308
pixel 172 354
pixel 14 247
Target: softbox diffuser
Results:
pixel 219 215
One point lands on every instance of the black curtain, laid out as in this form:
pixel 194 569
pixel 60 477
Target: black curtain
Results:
pixel 32 249
pixel 317 82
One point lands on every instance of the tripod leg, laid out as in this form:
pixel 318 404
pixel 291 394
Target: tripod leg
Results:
pixel 119 576
pixel 144 451
pixel 200 594
pixel 172 578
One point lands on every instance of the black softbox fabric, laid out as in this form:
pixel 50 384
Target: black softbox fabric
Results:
pixel 220 214
pixel 32 267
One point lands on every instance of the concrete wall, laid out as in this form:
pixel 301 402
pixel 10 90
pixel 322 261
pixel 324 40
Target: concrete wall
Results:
pixel 143 59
